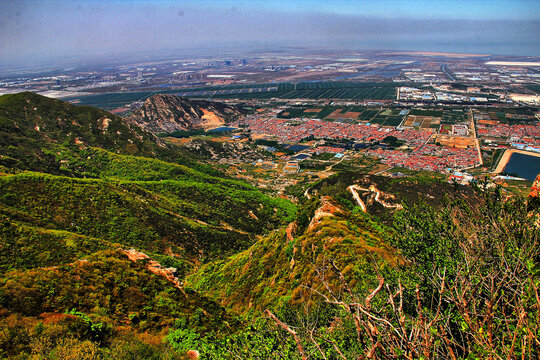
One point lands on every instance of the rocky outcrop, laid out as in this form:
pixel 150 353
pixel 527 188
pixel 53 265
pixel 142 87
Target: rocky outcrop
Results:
pixel 533 202
pixel 535 188
pixel 154 266
pixel 327 208
pixel 168 113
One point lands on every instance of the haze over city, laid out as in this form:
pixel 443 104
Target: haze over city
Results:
pixel 37 32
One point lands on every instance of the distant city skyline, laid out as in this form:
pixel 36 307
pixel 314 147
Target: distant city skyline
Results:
pixel 36 31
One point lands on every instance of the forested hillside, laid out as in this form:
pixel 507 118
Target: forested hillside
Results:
pixel 116 245
pixel 456 280
pixel 79 190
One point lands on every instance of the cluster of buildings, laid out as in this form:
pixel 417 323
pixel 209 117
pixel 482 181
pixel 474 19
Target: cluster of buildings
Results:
pixel 455 157
pixel 425 156
pixel 412 137
pixel 95 85
pixel 423 148
pixel 413 94
pixel 420 76
pixel 522 133
pixel 293 132
pixel 429 157
pixel 458 129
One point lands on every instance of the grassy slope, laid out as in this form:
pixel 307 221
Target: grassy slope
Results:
pixel 108 285
pixel 196 219
pixel 276 271
pixel 71 189
pixel 29 123
pixel 108 194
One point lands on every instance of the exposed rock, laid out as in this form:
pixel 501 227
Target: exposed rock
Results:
pixel 533 202
pixel 168 113
pixel 291 229
pixel 535 188
pixel 154 266
pixel 327 208
pixel 192 354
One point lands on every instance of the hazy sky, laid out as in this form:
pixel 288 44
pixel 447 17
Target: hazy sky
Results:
pixel 32 31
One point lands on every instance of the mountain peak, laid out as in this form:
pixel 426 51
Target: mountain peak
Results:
pixel 168 113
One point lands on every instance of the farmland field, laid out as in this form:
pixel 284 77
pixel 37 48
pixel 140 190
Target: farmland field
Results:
pixel 387 117
pixel 453 117
pixel 435 113
pixel 387 120
pixel 534 87
pixel 324 90
pixel 111 101
pixel 342 90
pixel 351 113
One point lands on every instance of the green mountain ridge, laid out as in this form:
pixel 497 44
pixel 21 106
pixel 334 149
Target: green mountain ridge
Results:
pixel 72 194
pixel 169 113
pixel 281 268
pixel 116 245
pixel 29 123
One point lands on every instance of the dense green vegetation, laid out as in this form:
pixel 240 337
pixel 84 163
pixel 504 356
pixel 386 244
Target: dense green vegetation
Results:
pixel 134 200
pixel 364 113
pixel 324 90
pixel 73 197
pixel 421 112
pixel 188 217
pixel 393 141
pixel 98 293
pixel 29 123
pixel 468 286
pixel 533 87
pixel 185 133
pixel 114 246
pixel 274 270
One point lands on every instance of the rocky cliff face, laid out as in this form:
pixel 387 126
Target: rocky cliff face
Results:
pixel 534 195
pixel 535 188
pixel 167 113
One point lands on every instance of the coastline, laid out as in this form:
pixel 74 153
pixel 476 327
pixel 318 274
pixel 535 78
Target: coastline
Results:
pixel 506 157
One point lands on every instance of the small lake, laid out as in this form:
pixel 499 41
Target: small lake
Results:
pixel 222 129
pixel 525 166
pixel 297 148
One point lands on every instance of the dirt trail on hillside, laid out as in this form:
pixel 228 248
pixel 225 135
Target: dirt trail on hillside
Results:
pixel 354 191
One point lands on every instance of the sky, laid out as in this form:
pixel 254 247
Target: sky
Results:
pixel 34 31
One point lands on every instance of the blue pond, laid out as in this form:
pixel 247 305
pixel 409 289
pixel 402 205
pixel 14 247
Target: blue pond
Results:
pixel 297 148
pixel 222 129
pixel 525 166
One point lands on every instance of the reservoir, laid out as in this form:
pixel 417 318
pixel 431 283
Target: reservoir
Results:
pixel 525 166
pixel 222 129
